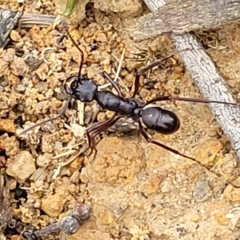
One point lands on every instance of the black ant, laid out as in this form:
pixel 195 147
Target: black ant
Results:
pixel 153 117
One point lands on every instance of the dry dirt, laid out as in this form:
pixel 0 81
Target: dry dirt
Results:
pixel 136 190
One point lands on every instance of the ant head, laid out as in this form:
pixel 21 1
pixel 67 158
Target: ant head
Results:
pixel 70 85
pixel 83 89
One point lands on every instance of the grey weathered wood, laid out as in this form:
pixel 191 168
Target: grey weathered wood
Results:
pixel 208 80
pixel 180 16
pixel 8 20
pixel 6 211
pixel 28 20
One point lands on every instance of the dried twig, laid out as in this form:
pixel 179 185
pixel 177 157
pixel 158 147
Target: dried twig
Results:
pixel 117 73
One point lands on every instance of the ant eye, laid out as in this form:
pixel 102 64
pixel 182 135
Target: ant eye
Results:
pixel 73 85
pixel 70 85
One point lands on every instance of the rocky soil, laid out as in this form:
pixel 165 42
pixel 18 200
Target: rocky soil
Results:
pixel 136 190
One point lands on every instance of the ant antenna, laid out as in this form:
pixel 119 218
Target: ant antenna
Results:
pixel 63 110
pixel 75 44
pixel 64 24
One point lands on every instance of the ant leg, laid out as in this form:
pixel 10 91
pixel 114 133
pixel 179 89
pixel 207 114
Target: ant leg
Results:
pixel 96 126
pixel 198 100
pixel 63 110
pixel 142 71
pixel 105 75
pixel 175 151
pixel 148 139
pixel 106 126
pixel 91 144
pixel 65 26
pixel 152 65
pixel 96 129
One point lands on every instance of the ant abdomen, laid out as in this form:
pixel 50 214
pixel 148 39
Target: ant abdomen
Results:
pixel 160 120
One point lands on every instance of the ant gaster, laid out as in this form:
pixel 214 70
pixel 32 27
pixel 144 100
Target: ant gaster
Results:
pixel 153 117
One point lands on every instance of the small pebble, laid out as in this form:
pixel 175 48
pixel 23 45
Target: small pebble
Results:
pixel 206 152
pixel 101 37
pixel 53 204
pixel 221 219
pixel 202 190
pixel 195 217
pixel 15 36
pixel 7 125
pixel 232 193
pixel 21 167
pixel 130 78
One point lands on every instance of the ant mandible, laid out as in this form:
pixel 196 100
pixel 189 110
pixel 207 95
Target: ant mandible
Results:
pixel 153 117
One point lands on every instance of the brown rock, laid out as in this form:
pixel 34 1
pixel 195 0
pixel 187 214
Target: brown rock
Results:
pixel 53 204
pixel 15 36
pixel 152 185
pixel 232 193
pixel 116 161
pixel 206 152
pixel 195 217
pixel 15 237
pixel 88 231
pixel 101 37
pixel 7 125
pixel 127 8
pixel 21 167
pixel 221 219
pixel 9 144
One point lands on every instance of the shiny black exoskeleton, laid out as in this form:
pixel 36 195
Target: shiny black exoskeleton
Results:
pixel 155 118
